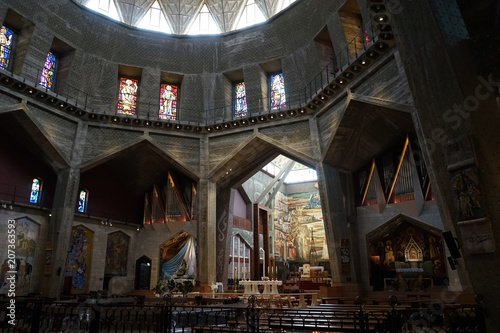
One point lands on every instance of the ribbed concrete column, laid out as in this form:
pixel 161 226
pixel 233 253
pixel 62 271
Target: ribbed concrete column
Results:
pixel 454 100
pixel 63 211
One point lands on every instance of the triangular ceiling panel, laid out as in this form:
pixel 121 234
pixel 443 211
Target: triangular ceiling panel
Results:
pixel 225 12
pixel 179 15
pixel 269 7
pixel 132 11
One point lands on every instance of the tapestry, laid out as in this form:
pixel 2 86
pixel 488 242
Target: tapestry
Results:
pixel 79 259
pixel 27 233
pixel 116 254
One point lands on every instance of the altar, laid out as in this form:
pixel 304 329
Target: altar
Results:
pixel 252 287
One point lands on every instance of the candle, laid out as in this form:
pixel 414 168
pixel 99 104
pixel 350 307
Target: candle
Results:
pixel 267 270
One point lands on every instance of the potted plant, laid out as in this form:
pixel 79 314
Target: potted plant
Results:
pixel 171 286
pixel 187 287
pixel 159 288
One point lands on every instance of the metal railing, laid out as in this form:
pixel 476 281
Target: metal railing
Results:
pixel 20 194
pixel 169 317
pixel 102 105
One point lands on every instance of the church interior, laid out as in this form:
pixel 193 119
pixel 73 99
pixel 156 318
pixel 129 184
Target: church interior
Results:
pixel 341 149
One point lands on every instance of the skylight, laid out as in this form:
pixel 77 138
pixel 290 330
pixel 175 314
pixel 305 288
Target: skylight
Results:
pixel 105 7
pixel 251 15
pixel 299 173
pixel 155 20
pixel 203 23
pixel 200 17
pixel 286 3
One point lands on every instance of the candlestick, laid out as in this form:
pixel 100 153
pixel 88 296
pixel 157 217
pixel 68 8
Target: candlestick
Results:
pixel 235 276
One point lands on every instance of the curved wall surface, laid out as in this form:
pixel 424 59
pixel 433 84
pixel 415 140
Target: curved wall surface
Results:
pixel 206 64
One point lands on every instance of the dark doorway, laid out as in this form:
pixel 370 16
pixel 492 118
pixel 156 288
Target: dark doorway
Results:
pixel 142 273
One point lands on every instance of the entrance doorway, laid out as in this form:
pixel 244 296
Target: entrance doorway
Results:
pixel 143 273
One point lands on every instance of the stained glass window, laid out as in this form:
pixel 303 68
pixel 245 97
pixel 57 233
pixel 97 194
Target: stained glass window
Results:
pixel 48 71
pixel 5 46
pixel 168 101
pixel 82 201
pixel 240 100
pixel 278 98
pixel 36 187
pixel 127 97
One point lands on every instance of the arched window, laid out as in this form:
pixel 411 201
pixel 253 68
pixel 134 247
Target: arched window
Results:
pixel 48 71
pixel 6 36
pixel 168 101
pixel 36 189
pixel 240 259
pixel 127 96
pixel 240 100
pixel 278 98
pixel 82 201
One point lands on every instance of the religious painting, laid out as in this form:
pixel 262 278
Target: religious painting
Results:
pixel 27 232
pixel 168 101
pixel 468 194
pixel 5 46
pixel 127 96
pixel 400 246
pixel 298 224
pixel 79 259
pixel 116 254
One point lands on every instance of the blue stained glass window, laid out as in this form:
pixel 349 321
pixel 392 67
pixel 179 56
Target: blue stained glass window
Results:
pixel 240 100
pixel 5 46
pixel 278 98
pixel 36 187
pixel 168 101
pixel 82 201
pixel 48 71
pixel 127 97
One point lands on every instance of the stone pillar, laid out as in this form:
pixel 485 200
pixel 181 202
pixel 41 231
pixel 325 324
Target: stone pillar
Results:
pixel 61 222
pixel 36 53
pixel 225 204
pixel 206 243
pixel 191 106
pixel 339 41
pixel 454 101
pixel 149 93
pixel 256 88
pixel 63 211
pixel 336 227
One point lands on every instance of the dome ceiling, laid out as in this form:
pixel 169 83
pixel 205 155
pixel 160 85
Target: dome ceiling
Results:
pixel 181 13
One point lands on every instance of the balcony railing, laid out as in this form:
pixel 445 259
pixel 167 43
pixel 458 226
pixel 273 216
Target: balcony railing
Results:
pixel 63 94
